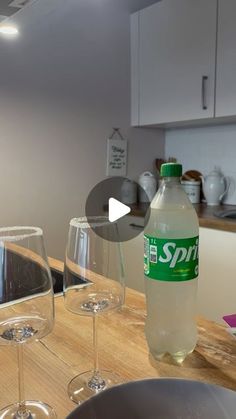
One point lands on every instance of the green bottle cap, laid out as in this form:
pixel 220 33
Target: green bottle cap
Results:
pixel 171 170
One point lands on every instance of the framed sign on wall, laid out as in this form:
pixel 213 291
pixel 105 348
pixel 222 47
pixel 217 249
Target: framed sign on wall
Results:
pixel 116 154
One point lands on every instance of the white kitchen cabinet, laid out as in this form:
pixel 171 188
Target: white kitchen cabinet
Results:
pixel 133 255
pixel 217 276
pixel 226 59
pixel 173 61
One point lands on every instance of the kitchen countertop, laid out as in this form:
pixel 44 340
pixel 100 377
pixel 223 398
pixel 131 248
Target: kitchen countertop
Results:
pixel 205 214
pixel 54 360
pixel 209 220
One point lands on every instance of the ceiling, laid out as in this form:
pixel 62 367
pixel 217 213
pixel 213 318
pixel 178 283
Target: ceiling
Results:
pixel 8 8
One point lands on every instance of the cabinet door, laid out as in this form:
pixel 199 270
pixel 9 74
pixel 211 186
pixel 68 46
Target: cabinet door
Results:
pixel 133 254
pixel 226 59
pixel 217 282
pixel 177 41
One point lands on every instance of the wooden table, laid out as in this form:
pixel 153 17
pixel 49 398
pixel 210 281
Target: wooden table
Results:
pixel 67 351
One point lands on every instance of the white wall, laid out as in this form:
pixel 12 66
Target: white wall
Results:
pixel 64 83
pixel 204 148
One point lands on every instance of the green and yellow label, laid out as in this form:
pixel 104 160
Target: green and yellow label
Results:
pixel 171 259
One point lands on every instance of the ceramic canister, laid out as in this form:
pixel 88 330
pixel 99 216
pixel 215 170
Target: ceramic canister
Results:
pixel 129 192
pixel 148 184
pixel 192 189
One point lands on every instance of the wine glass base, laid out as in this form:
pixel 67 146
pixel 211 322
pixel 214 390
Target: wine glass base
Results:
pixel 85 385
pixel 35 410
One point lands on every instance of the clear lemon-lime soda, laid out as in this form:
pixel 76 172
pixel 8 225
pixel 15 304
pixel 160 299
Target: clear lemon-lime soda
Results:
pixel 171 269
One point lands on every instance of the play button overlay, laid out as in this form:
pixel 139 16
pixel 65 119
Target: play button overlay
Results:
pixel 116 209
pixel 115 199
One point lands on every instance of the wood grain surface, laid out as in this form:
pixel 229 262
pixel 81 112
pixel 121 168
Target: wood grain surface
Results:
pixel 52 362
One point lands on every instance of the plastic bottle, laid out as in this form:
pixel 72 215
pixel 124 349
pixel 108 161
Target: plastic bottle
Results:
pixel 171 269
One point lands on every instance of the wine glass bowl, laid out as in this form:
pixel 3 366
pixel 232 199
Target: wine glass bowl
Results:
pixel 93 285
pixel 26 304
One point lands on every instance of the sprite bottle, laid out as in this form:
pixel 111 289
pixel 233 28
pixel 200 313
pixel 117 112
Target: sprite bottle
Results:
pixel 171 269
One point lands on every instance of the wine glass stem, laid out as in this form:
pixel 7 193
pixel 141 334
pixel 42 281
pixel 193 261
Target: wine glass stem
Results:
pixel 95 345
pixel 22 412
pixel 96 383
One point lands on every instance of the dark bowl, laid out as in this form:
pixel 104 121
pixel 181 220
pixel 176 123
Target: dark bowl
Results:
pixel 162 398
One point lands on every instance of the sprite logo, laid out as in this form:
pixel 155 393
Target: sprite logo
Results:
pixel 171 259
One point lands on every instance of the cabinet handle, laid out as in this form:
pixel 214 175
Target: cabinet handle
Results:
pixel 204 79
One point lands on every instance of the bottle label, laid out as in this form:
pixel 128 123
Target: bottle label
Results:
pixel 171 259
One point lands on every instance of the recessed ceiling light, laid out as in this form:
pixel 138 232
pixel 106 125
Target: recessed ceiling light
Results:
pixel 8 30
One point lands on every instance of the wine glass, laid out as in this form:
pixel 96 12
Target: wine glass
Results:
pixel 93 284
pixel 26 305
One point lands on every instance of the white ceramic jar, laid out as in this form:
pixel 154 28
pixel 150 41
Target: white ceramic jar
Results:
pixel 129 192
pixel 148 184
pixel 215 186
pixel 192 189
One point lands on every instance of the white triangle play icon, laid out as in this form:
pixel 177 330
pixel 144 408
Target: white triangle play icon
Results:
pixel 116 209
